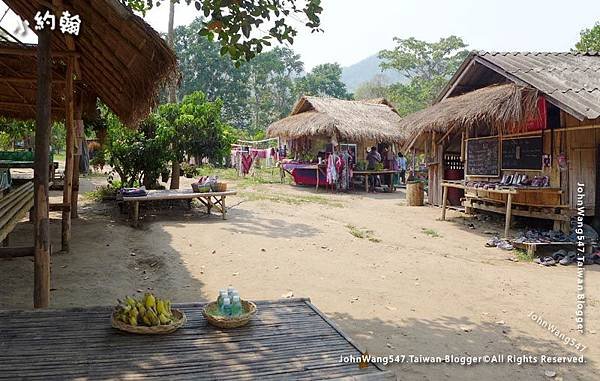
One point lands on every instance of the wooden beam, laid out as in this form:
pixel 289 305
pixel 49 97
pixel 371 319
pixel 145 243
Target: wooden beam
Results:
pixel 59 207
pixel 41 294
pixel 68 178
pixel 14 252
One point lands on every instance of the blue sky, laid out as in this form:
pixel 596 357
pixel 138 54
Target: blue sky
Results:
pixel 356 29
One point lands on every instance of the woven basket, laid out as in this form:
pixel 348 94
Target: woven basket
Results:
pixel 210 314
pixel 197 188
pixel 179 320
pixel 220 187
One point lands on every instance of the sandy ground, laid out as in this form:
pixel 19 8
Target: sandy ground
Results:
pixel 402 292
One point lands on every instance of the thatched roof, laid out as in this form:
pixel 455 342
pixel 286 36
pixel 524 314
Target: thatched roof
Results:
pixel 348 120
pixel 502 107
pixel 120 58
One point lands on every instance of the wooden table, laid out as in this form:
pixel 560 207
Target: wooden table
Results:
pixel 288 339
pixel 510 193
pixel 209 199
pixel 368 173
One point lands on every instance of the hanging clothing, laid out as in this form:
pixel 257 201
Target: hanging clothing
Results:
pixel 332 173
pixel 247 160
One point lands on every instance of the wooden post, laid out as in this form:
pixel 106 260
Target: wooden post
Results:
pixel 444 201
pixel 224 210
pixel 508 214
pixel 68 179
pixel 136 213
pixel 41 294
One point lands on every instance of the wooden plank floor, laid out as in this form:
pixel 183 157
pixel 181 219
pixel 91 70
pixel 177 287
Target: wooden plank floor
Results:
pixel 287 339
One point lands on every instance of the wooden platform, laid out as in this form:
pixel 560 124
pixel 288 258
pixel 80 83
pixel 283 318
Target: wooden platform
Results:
pixel 288 339
pixel 531 247
pixel 209 199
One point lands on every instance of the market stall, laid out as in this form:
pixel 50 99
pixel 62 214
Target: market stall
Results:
pixel 326 142
pixel 523 149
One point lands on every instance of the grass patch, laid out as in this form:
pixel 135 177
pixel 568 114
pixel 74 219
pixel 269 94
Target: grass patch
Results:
pixel 290 199
pixel 362 233
pixel 101 193
pixel 522 255
pixel 430 232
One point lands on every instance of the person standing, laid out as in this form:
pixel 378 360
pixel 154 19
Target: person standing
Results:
pixel 401 160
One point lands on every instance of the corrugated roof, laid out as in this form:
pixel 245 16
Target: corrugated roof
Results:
pixel 569 80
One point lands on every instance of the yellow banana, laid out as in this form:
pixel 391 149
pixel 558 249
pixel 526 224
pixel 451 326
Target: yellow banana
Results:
pixel 163 319
pixel 150 301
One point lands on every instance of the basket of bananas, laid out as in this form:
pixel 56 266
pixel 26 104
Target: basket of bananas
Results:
pixel 148 315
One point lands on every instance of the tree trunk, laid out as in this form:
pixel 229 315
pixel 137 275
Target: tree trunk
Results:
pixel 172 91
pixel 41 293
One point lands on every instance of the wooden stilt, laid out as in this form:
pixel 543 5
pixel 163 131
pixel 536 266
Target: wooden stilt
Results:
pixel 508 215
pixel 75 188
pixel 136 214
pixel 41 295
pixel 68 180
pixel 444 202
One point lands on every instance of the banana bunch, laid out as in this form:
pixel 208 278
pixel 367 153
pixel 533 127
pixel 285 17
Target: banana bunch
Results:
pixel 149 311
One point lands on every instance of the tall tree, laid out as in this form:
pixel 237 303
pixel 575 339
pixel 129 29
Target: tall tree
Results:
pixel 271 80
pixel 236 25
pixel 428 66
pixel 590 39
pixel 203 68
pixel 323 80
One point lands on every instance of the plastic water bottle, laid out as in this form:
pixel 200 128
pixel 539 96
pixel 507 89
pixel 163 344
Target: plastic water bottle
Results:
pixel 230 292
pixel 222 295
pixel 236 307
pixel 226 307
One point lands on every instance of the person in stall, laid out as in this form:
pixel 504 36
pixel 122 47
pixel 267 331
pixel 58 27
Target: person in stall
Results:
pixel 401 160
pixel 373 157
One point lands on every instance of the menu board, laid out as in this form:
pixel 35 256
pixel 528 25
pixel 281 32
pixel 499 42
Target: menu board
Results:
pixel 482 157
pixel 522 153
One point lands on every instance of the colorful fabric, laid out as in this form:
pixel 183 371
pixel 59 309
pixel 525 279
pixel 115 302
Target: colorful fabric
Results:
pixel 247 160
pixel 307 176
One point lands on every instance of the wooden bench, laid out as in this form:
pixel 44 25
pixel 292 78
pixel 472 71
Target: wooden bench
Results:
pixel 14 205
pixel 209 199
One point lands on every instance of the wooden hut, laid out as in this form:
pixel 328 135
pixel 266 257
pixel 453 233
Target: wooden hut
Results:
pixel 116 57
pixel 316 122
pixel 518 117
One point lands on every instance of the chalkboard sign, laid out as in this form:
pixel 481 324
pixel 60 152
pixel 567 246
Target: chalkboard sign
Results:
pixel 482 157
pixel 522 153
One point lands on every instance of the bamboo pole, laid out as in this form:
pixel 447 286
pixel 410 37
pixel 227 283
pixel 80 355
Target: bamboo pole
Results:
pixel 68 178
pixel 41 294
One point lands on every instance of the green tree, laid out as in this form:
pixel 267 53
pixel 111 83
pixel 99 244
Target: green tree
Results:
pixel 238 25
pixel 323 80
pixel 427 65
pixel 203 68
pixel 137 156
pixel 195 129
pixel 271 80
pixel 590 39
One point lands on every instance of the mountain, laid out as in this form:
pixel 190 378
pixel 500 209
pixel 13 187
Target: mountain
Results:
pixel 365 70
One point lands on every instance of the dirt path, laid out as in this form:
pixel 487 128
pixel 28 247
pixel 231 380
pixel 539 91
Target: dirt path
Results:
pixel 411 285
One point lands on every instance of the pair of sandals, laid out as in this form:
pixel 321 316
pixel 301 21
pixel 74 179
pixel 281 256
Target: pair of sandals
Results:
pixel 499 243
pixel 561 256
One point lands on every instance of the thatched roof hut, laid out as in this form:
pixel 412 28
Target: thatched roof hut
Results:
pixel 119 58
pixel 501 107
pixel 347 120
